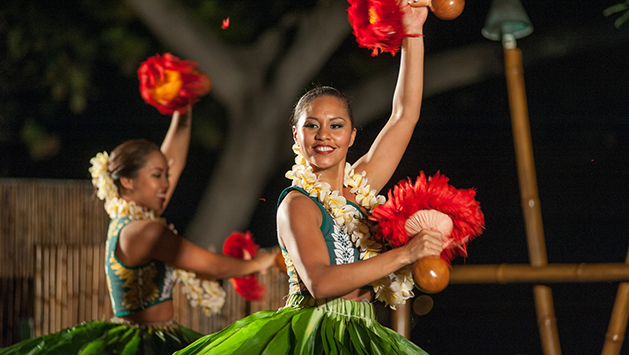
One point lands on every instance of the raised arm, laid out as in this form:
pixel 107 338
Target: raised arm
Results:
pixel 388 148
pixel 142 241
pixel 298 221
pixel 175 148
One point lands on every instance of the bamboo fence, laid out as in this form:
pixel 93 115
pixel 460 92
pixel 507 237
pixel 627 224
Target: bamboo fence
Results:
pixel 52 236
pixel 39 212
pixel 52 240
pixel 70 288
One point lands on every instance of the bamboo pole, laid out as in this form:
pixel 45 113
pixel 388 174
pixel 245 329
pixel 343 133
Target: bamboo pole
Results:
pixel 83 284
pixel 45 329
pixel 528 192
pixel 76 278
pixel 58 296
pixel 103 291
pixel 39 299
pixel 96 268
pixel 618 321
pixel 3 294
pixel 551 273
pixel 63 287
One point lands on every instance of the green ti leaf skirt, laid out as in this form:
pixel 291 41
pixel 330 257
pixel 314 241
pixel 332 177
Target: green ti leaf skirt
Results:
pixel 103 337
pixel 307 326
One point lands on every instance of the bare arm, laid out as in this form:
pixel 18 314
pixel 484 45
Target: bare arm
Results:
pixel 388 148
pixel 298 221
pixel 175 148
pixel 141 241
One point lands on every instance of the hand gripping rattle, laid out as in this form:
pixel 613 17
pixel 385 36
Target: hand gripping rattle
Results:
pixel 430 203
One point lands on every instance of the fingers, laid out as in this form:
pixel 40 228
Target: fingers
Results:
pixel 426 243
pixel 266 260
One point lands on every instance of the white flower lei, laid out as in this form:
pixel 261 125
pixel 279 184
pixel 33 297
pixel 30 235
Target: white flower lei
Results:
pixel 393 289
pixel 205 293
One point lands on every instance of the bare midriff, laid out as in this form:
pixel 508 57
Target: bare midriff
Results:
pixel 359 295
pixel 160 313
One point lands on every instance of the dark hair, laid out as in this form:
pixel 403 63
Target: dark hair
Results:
pixel 127 158
pixel 318 92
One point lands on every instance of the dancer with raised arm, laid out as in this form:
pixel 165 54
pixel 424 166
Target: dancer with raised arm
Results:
pixel 335 268
pixel 145 256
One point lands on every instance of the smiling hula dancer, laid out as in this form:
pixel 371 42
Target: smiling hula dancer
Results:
pixel 137 181
pixel 335 268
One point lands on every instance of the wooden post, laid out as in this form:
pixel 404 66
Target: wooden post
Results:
pixel 528 193
pixel 618 322
pixel 401 319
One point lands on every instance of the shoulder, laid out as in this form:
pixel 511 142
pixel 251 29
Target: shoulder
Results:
pixel 298 206
pixel 297 199
pixel 143 234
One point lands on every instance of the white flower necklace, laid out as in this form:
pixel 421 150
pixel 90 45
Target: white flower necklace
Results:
pixel 209 295
pixel 392 289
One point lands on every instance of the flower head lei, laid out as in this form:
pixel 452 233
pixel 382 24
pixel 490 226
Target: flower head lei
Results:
pixel 392 289
pixel 205 293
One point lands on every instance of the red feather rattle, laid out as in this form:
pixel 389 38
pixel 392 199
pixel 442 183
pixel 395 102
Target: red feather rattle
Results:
pixel 433 204
pixel 241 246
pixel 377 24
pixel 170 84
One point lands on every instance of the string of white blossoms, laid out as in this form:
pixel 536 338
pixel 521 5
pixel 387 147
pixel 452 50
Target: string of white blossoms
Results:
pixel 393 289
pixel 209 295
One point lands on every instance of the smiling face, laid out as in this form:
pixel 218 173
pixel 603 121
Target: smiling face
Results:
pixel 149 186
pixel 324 133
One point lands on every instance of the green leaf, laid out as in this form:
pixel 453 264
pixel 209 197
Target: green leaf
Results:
pixel 619 21
pixel 131 347
pixel 327 332
pixel 264 332
pixel 94 348
pixel 359 338
pixel 282 342
pixel 615 8
pixel 306 323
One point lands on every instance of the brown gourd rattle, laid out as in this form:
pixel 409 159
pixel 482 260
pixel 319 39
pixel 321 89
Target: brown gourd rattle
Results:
pixel 431 273
pixel 443 9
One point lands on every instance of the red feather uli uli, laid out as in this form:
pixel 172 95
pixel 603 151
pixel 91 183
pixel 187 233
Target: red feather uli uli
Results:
pixel 433 193
pixel 377 25
pixel 248 287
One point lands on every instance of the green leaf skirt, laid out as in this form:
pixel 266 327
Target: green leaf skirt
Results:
pixel 103 337
pixel 307 326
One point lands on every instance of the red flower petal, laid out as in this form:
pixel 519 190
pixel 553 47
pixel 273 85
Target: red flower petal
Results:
pixel 433 193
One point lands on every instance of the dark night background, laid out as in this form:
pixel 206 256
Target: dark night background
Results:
pixel 579 116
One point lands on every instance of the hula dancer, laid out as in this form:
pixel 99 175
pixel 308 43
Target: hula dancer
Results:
pixel 335 267
pixel 136 182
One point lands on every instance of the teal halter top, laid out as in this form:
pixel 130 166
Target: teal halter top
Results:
pixel 134 288
pixel 341 250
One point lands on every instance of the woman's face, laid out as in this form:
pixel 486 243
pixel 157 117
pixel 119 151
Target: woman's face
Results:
pixel 324 132
pixel 149 188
